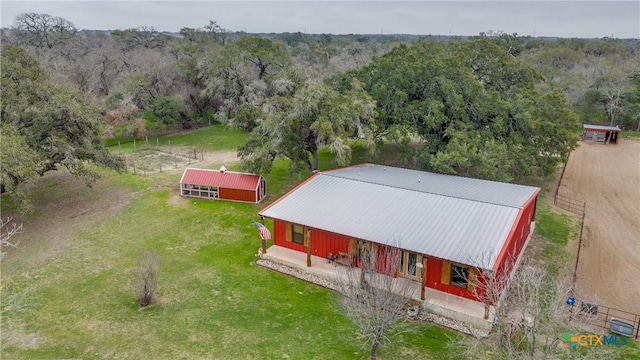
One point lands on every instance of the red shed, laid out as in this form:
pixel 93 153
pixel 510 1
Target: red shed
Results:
pixel 223 185
pixel 600 133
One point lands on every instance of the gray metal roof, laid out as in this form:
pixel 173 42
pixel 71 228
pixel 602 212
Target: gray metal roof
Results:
pixel 600 127
pixel 390 210
pixel 492 192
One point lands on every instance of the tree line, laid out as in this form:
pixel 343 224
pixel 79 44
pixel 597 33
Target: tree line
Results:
pixel 496 106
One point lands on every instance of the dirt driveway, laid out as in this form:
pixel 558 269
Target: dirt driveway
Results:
pixel 607 178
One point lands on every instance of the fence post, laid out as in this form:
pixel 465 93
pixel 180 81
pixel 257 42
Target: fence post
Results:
pixel 175 161
pixel 160 165
pixel 575 268
pixel 201 153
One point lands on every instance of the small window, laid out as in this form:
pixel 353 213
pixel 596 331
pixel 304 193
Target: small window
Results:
pixel 459 275
pixel 298 234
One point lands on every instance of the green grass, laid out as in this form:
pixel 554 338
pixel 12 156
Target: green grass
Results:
pixel 213 138
pixel 630 134
pixel 556 229
pixel 212 300
pixel 554 226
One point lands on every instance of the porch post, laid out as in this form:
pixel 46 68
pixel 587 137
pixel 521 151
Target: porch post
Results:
pixel 308 235
pixel 487 300
pixel 264 242
pixel 423 278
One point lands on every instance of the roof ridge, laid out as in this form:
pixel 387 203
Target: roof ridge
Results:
pixel 423 192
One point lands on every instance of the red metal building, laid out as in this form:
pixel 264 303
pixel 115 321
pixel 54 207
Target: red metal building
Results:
pixel 451 225
pixel 223 185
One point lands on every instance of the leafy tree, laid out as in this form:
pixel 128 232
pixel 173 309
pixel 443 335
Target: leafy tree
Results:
pixel 165 111
pixel 317 116
pixel 246 116
pixel 56 123
pixel 20 163
pixel 475 107
pixel 140 37
pixel 262 53
pixel 227 75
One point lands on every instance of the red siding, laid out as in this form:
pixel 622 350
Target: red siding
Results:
pixel 517 237
pixel 322 242
pixel 434 274
pixel 238 195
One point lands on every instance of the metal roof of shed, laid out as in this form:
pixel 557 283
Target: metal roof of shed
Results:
pixel 226 179
pixel 600 127
pixel 386 206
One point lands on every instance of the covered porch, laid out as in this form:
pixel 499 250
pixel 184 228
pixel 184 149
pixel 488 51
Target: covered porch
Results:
pixel 449 306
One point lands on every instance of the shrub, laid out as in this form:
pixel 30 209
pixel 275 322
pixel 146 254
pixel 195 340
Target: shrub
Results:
pixel 149 267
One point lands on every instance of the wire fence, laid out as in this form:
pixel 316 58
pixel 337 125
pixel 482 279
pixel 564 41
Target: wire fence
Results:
pixel 617 321
pixel 572 205
pixel 153 157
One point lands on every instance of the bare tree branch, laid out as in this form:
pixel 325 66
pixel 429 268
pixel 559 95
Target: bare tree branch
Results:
pixel 373 299
pixel 8 229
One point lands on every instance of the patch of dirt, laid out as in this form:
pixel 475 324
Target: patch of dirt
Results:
pixel 607 178
pixel 66 205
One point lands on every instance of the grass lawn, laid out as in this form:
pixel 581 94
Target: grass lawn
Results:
pixel 212 300
pixel 213 138
pixel 630 134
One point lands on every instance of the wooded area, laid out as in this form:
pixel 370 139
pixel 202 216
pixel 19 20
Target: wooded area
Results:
pixel 497 106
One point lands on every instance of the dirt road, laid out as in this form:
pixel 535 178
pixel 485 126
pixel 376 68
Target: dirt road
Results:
pixel 607 178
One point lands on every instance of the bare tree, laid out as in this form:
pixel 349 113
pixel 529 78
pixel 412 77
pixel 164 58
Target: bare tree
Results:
pixel 529 309
pixel 8 229
pixel 149 268
pixel 43 31
pixel 373 299
pixel 217 32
